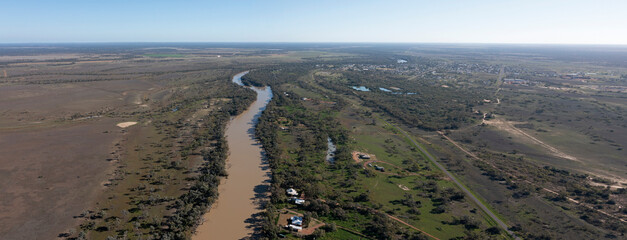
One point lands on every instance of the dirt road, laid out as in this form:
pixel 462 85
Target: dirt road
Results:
pixel 499 81
pixel 411 226
pixel 508 127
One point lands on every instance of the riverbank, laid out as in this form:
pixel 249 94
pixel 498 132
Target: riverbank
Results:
pixel 237 211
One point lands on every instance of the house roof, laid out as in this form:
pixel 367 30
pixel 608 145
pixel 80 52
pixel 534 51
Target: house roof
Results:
pixel 296 220
pixel 291 191
pixel 295 227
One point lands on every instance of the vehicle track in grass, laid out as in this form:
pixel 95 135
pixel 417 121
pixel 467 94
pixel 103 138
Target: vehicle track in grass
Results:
pixel 459 184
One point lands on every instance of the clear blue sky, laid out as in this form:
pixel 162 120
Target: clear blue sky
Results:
pixel 464 21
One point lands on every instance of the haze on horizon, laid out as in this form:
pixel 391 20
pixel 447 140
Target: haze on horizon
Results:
pixel 449 21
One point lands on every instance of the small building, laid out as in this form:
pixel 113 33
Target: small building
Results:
pixel 296 220
pixel 298 201
pixel 292 192
pixel 379 168
pixel 364 156
pixel 294 227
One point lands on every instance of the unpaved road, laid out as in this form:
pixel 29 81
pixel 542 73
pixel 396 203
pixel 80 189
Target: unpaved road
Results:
pixel 499 82
pixel 507 126
pixel 411 226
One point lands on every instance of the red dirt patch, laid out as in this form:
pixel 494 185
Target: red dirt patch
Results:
pixel 357 159
pixel 287 214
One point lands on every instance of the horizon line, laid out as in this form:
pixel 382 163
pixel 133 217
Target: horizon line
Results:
pixel 322 42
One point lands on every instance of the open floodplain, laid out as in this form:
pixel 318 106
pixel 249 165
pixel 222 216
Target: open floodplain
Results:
pixel 66 141
pixel 132 141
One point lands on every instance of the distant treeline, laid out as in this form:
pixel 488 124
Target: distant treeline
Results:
pixel 277 75
pixel 417 104
pixel 421 103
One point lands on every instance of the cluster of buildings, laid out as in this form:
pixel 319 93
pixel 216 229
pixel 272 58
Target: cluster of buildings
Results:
pixel 515 81
pixel 377 167
pixel 295 222
pixel 294 197
pixel 426 68
pixel 366 157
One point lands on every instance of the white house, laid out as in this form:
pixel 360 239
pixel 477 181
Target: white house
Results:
pixel 292 192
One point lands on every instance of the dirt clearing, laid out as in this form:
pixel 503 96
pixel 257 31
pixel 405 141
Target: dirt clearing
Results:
pixel 356 156
pixel 126 124
pixel 509 128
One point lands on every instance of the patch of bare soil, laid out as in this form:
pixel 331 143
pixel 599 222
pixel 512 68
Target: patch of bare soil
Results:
pixel 286 214
pixel 357 159
pixel 28 103
pixel 49 175
pixel 509 128
pixel 126 124
pixel 618 185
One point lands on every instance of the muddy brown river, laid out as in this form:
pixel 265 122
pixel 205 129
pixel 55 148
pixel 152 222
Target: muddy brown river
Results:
pixel 237 211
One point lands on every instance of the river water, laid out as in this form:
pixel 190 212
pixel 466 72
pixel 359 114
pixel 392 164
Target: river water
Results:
pixel 330 150
pixel 237 211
